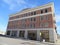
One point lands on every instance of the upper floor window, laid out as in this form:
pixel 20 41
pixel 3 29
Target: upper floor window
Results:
pixel 23 25
pixel 30 19
pixel 26 14
pixel 33 19
pixel 41 11
pixel 44 24
pixel 46 17
pixel 46 10
pixel 17 16
pixel 41 17
pixel 34 12
pixel 54 21
pixel 23 20
pixel 32 25
pixel 31 13
pixel 41 24
pixel 22 15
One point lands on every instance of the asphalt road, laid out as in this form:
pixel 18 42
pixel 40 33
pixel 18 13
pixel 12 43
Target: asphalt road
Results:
pixel 15 41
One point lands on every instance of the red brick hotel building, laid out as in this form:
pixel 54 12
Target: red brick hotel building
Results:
pixel 34 23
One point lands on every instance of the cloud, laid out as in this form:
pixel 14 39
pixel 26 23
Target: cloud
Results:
pixel 58 21
pixel 12 6
pixel 57 18
pixel 14 3
pixel 7 1
pixel 58 29
pixel 20 2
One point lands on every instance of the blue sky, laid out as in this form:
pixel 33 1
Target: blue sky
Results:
pixel 8 7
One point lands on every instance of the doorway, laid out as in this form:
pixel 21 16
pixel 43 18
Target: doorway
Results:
pixel 45 35
pixel 32 35
pixel 21 34
pixel 14 33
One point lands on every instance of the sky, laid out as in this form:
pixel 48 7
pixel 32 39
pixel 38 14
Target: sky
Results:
pixel 8 7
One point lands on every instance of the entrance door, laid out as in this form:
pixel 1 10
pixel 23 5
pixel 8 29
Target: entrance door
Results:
pixel 32 35
pixel 8 32
pixel 45 35
pixel 14 33
pixel 21 34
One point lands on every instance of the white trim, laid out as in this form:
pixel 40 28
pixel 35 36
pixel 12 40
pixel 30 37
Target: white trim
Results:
pixel 31 16
pixel 33 29
pixel 33 9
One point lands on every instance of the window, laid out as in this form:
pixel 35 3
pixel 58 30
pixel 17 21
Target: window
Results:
pixel 41 11
pixel 34 12
pixel 23 25
pixel 54 21
pixel 26 14
pixel 32 19
pixel 8 32
pixel 21 33
pixel 46 10
pixel 15 26
pixel 41 24
pixel 44 24
pixel 31 13
pixel 28 19
pixel 23 15
pixel 14 33
pixel 17 16
pixel 32 25
pixel 46 17
pixel 23 20
pixel 41 17
pixel 54 15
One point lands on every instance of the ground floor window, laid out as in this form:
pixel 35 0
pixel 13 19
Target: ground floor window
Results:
pixel 32 35
pixel 45 35
pixel 14 33
pixel 8 32
pixel 21 34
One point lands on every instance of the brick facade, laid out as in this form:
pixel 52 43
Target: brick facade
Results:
pixel 34 19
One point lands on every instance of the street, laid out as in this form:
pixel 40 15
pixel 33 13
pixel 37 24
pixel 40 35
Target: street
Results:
pixel 19 41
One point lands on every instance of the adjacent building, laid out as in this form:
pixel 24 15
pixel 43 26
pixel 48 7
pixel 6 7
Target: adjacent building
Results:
pixel 2 32
pixel 34 23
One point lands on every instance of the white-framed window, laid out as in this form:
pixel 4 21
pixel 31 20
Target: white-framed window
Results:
pixel 32 26
pixel 41 17
pixel 44 17
pixel 46 24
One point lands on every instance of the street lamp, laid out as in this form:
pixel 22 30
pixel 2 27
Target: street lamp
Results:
pixel 40 36
pixel 40 33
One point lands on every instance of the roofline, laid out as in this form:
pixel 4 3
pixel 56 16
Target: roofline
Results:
pixel 48 4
